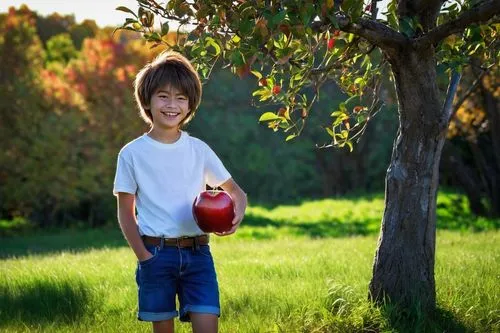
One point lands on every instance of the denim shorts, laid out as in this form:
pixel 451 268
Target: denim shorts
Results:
pixel 187 273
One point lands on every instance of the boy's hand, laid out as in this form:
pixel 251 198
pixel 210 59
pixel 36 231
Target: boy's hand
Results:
pixel 145 256
pixel 236 223
pixel 240 205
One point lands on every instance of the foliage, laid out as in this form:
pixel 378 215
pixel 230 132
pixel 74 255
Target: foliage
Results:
pixel 56 127
pixel 56 24
pixel 60 48
pixel 277 44
pixel 292 48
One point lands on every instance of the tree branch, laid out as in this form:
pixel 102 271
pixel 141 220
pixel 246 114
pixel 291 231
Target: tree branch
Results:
pixel 376 33
pixel 450 96
pixel 481 13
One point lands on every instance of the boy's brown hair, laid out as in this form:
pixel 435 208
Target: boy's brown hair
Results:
pixel 167 69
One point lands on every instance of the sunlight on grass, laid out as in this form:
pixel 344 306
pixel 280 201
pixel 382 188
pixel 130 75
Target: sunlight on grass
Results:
pixel 302 268
pixel 286 285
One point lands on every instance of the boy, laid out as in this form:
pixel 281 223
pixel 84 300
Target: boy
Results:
pixel 162 172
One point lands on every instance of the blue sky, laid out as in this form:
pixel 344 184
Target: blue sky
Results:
pixel 102 11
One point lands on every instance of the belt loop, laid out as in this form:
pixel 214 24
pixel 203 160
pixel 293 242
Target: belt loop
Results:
pixel 196 243
pixel 162 242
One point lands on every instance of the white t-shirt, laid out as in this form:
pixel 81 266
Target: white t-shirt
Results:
pixel 166 178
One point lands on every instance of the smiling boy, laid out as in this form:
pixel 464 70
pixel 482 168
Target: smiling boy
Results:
pixel 160 173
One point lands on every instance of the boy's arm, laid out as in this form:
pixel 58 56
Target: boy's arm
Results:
pixel 240 204
pixel 128 224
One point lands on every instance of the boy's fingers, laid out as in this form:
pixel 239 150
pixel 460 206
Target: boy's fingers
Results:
pixel 227 233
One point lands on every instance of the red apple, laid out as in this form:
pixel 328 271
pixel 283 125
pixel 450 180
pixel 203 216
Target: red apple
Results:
pixel 213 211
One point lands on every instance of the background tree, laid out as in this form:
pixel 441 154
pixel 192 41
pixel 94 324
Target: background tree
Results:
pixel 293 47
pixel 473 148
pixel 60 48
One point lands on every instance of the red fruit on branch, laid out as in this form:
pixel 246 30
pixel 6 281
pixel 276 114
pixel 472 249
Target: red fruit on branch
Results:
pixel 331 43
pixel 276 90
pixel 358 109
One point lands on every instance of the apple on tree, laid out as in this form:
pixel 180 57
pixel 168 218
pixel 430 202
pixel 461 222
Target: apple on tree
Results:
pixel 213 211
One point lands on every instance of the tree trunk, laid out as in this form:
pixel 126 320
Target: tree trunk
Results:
pixel 403 270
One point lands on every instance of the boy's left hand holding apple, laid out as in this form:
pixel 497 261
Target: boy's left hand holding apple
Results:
pixel 238 217
pixel 240 205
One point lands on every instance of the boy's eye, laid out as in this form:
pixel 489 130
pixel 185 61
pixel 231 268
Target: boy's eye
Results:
pixel 182 97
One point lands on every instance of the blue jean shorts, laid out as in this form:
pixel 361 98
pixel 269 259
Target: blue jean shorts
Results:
pixel 187 273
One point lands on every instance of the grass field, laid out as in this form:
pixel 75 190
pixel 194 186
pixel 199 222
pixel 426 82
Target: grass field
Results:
pixel 289 269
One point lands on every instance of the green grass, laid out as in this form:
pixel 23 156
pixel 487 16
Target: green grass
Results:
pixel 284 271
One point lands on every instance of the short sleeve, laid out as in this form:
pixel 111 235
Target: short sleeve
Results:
pixel 215 172
pixel 124 178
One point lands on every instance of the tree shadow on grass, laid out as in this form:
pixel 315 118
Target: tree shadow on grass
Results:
pixel 441 320
pixel 318 229
pixel 73 240
pixel 46 301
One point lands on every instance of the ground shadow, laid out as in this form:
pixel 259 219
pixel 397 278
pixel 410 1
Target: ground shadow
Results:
pixel 50 241
pixel 318 229
pixel 409 321
pixel 46 301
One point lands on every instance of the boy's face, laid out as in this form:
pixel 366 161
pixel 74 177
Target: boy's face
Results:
pixel 169 107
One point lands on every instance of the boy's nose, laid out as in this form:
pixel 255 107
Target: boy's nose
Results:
pixel 170 102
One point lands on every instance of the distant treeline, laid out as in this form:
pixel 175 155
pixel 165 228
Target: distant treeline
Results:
pixel 66 108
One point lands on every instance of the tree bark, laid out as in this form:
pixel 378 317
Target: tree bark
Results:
pixel 403 269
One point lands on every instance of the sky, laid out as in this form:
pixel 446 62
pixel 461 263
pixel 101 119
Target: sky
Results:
pixel 102 11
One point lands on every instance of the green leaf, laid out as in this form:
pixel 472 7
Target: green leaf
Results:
pixel 237 58
pixel 290 137
pixel 349 144
pixel 306 13
pixel 164 29
pixel 155 37
pixel 391 15
pixel 269 116
pixel 406 27
pixel 257 74
pixel 246 27
pixel 278 18
pixel 359 80
pixel 126 10
pixel 353 7
pixel 211 42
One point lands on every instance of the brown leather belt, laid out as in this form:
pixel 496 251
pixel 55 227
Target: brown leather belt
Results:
pixel 177 242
